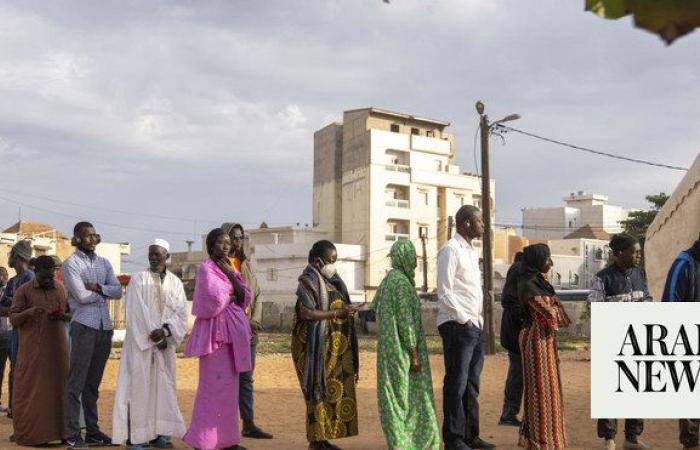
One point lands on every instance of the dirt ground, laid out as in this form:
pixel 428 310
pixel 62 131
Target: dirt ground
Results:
pixel 279 406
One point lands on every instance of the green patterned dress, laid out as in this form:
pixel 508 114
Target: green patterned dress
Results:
pixel 406 403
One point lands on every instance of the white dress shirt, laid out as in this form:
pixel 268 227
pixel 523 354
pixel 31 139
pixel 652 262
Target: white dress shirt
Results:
pixel 459 288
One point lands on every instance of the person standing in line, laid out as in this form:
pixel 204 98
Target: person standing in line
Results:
pixel 241 263
pixel 91 283
pixel 404 383
pixel 39 311
pixel 325 351
pixel 683 285
pixel 18 260
pixel 460 323
pixel 622 281
pixel 146 413
pixel 220 339
pixel 5 333
pixel 543 426
pixel 511 324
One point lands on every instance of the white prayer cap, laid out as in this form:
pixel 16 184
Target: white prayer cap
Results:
pixel 162 243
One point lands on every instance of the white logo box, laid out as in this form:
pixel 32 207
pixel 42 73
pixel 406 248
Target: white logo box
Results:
pixel 613 390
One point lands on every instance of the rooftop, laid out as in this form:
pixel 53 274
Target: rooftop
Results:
pixel 386 112
pixel 27 228
pixel 588 232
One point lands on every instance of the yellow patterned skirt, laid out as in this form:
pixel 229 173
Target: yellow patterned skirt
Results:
pixel 336 416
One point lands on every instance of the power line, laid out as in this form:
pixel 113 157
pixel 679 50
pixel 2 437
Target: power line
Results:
pixel 589 150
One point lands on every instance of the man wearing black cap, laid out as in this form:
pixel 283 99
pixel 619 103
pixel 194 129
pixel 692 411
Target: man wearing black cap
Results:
pixel 622 281
pixel 18 259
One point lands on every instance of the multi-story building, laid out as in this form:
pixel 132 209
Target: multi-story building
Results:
pixel 380 176
pixel 580 209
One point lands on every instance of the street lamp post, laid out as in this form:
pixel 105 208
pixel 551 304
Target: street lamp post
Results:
pixel 485 130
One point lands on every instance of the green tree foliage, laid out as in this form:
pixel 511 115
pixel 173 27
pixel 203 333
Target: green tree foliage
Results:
pixel 638 221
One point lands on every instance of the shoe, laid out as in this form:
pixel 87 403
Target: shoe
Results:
pixel 320 445
pixel 254 432
pixel 457 445
pixel 161 442
pixel 139 447
pixel 639 445
pixel 236 447
pixel 98 439
pixel 330 446
pixel 609 444
pixel 692 447
pixel 76 443
pixel 509 421
pixel 480 443
pixel 12 437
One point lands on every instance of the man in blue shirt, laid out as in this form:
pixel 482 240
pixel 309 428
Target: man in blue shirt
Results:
pixel 18 259
pixel 90 282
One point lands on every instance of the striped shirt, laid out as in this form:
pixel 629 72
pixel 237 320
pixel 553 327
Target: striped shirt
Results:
pixel 90 308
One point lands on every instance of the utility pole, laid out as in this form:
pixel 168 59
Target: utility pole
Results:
pixel 489 300
pixel 450 225
pixel 423 231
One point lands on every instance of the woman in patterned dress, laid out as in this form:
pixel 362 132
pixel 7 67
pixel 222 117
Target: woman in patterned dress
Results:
pixel 404 383
pixel 324 348
pixel 543 425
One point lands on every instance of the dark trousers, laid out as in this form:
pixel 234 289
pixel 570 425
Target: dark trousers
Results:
pixel 607 428
pixel 513 393
pixel 13 350
pixel 688 431
pixel 463 349
pixel 5 337
pixel 88 356
pixel 245 390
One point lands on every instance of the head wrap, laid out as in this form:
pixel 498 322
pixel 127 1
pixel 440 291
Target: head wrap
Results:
pixel 621 242
pixel 23 249
pixel 403 258
pixel 531 282
pixel 227 227
pixel 162 243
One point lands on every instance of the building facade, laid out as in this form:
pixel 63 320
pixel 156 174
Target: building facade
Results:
pixel 580 209
pixel 380 176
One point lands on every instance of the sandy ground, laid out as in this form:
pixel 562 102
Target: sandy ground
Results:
pixel 279 405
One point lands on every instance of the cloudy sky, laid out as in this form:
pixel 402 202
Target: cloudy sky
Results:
pixel 165 118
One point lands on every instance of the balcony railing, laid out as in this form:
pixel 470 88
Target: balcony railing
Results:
pixel 398 203
pixel 395 236
pixel 398 168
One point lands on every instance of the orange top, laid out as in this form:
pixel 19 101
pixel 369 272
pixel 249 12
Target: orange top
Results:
pixel 236 264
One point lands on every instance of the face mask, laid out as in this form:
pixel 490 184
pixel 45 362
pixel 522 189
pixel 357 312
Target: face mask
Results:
pixel 329 270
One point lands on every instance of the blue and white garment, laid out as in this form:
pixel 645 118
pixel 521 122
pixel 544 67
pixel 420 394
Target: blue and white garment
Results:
pixel 683 280
pixel 614 285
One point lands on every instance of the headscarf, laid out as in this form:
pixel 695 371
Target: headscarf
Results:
pixel 228 226
pixel 23 249
pixel 531 282
pixel 403 258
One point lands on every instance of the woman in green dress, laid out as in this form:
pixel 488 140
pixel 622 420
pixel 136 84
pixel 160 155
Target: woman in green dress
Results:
pixel 404 383
pixel 324 348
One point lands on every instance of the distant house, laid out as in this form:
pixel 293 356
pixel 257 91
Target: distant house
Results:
pixel 675 228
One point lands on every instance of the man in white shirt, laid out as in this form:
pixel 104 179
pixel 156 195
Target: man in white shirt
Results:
pixel 460 323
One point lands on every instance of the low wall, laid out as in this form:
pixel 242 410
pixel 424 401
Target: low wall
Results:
pixel 277 317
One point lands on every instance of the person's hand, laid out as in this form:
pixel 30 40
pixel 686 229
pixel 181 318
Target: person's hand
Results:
pixel 340 313
pixel 415 361
pixel 163 345
pixel 35 311
pixel 157 335
pixel 92 287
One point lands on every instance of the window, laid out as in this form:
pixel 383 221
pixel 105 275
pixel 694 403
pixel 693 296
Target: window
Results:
pixel 415 131
pixel 395 127
pixel 426 197
pixel 272 274
pixel 430 133
pixel 438 165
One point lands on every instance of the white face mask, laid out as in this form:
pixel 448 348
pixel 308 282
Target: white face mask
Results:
pixel 329 270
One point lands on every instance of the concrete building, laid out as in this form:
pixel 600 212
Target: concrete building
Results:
pixel 579 210
pixel 576 261
pixel 675 228
pixel 380 176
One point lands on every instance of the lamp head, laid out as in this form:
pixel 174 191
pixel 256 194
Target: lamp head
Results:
pixel 480 107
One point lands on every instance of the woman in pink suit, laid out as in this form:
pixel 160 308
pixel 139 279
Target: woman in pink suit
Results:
pixel 220 339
